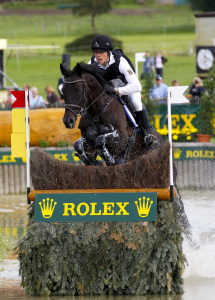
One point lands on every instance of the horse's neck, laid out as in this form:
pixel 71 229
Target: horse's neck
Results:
pixel 97 99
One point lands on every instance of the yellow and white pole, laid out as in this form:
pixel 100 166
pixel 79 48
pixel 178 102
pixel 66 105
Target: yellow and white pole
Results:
pixel 20 137
pixel 27 143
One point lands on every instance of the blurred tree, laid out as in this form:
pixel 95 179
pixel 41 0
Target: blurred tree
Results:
pixel 93 8
pixel 205 115
pixel 147 88
pixel 202 5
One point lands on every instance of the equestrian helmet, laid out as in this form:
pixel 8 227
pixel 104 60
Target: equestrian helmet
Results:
pixel 102 43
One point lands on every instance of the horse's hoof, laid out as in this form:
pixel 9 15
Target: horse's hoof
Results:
pixel 121 161
pixel 96 163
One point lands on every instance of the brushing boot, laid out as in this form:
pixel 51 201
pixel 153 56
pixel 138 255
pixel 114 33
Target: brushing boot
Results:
pixel 144 126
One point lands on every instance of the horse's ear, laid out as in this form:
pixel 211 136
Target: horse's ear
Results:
pixel 64 70
pixel 78 69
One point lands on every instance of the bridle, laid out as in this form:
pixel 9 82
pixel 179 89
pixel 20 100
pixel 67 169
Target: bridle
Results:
pixel 82 107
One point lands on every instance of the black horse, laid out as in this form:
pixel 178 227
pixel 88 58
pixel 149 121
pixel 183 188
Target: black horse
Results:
pixel 105 128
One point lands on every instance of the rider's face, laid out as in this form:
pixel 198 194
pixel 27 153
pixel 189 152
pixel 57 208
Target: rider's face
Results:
pixel 101 57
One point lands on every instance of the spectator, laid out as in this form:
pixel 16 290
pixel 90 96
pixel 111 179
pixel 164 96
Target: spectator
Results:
pixel 159 92
pixel 36 101
pixel 26 87
pixel 10 99
pixel 159 62
pixel 60 86
pixel 175 82
pixel 196 91
pixel 148 65
pixel 52 97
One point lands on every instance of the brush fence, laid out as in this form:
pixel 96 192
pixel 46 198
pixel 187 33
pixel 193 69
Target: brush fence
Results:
pixel 195 164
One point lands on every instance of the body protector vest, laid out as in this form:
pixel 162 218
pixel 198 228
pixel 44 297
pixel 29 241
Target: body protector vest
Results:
pixel 112 71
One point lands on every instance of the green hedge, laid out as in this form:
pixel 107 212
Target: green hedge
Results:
pixel 129 258
pixel 84 43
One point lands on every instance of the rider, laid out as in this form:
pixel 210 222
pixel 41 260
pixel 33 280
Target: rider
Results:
pixel 116 66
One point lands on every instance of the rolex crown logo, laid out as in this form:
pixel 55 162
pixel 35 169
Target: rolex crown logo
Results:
pixel 144 207
pixel 47 209
pixel 177 153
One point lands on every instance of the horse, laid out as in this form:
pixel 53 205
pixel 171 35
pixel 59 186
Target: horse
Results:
pixel 106 130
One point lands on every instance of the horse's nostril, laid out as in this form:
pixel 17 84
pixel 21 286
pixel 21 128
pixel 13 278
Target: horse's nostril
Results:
pixel 68 123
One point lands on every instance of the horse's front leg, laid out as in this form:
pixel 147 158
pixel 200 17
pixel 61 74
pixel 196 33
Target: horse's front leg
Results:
pixel 104 152
pixel 79 148
pixel 87 159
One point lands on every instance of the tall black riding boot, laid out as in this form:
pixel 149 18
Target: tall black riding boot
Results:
pixel 144 126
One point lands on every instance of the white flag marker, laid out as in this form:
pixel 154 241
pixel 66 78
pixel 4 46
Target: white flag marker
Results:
pixel 175 95
pixel 139 57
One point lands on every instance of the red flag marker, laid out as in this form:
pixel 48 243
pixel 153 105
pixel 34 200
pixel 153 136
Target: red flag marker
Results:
pixel 20 96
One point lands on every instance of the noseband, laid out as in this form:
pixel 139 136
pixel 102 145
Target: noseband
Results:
pixel 82 106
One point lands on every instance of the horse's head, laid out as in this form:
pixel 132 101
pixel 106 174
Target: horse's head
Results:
pixel 73 93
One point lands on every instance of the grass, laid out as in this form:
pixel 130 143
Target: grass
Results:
pixel 5 245
pixel 169 29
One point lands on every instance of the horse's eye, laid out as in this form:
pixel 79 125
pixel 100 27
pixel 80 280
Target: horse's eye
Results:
pixel 79 91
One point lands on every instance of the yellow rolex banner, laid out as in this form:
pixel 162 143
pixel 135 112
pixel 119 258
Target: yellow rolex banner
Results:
pixel 91 207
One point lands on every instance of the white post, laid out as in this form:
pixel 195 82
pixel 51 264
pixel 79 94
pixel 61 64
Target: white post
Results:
pixel 170 141
pixel 174 95
pixel 27 144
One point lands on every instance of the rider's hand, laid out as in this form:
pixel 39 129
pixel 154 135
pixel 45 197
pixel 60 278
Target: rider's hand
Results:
pixel 116 91
pixel 109 89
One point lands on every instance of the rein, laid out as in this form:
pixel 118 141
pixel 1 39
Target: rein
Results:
pixel 83 106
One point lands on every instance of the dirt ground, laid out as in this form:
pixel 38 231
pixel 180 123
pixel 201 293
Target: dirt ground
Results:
pixel 10 282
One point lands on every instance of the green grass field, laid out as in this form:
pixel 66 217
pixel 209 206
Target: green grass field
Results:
pixel 167 28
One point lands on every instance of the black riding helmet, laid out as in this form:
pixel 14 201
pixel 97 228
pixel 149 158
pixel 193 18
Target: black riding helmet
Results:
pixel 102 43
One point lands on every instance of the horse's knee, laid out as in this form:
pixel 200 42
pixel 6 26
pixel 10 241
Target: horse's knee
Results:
pixel 100 141
pixel 103 129
pixel 91 133
pixel 78 145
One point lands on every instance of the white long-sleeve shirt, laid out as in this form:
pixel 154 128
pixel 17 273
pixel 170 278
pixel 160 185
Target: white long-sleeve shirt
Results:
pixel 133 85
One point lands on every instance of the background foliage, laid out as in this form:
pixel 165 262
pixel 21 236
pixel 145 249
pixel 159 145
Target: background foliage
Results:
pixel 92 7
pixel 205 115
pixel 150 27
pixel 203 5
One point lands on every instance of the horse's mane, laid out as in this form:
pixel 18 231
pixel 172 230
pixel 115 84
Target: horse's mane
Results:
pixel 93 70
